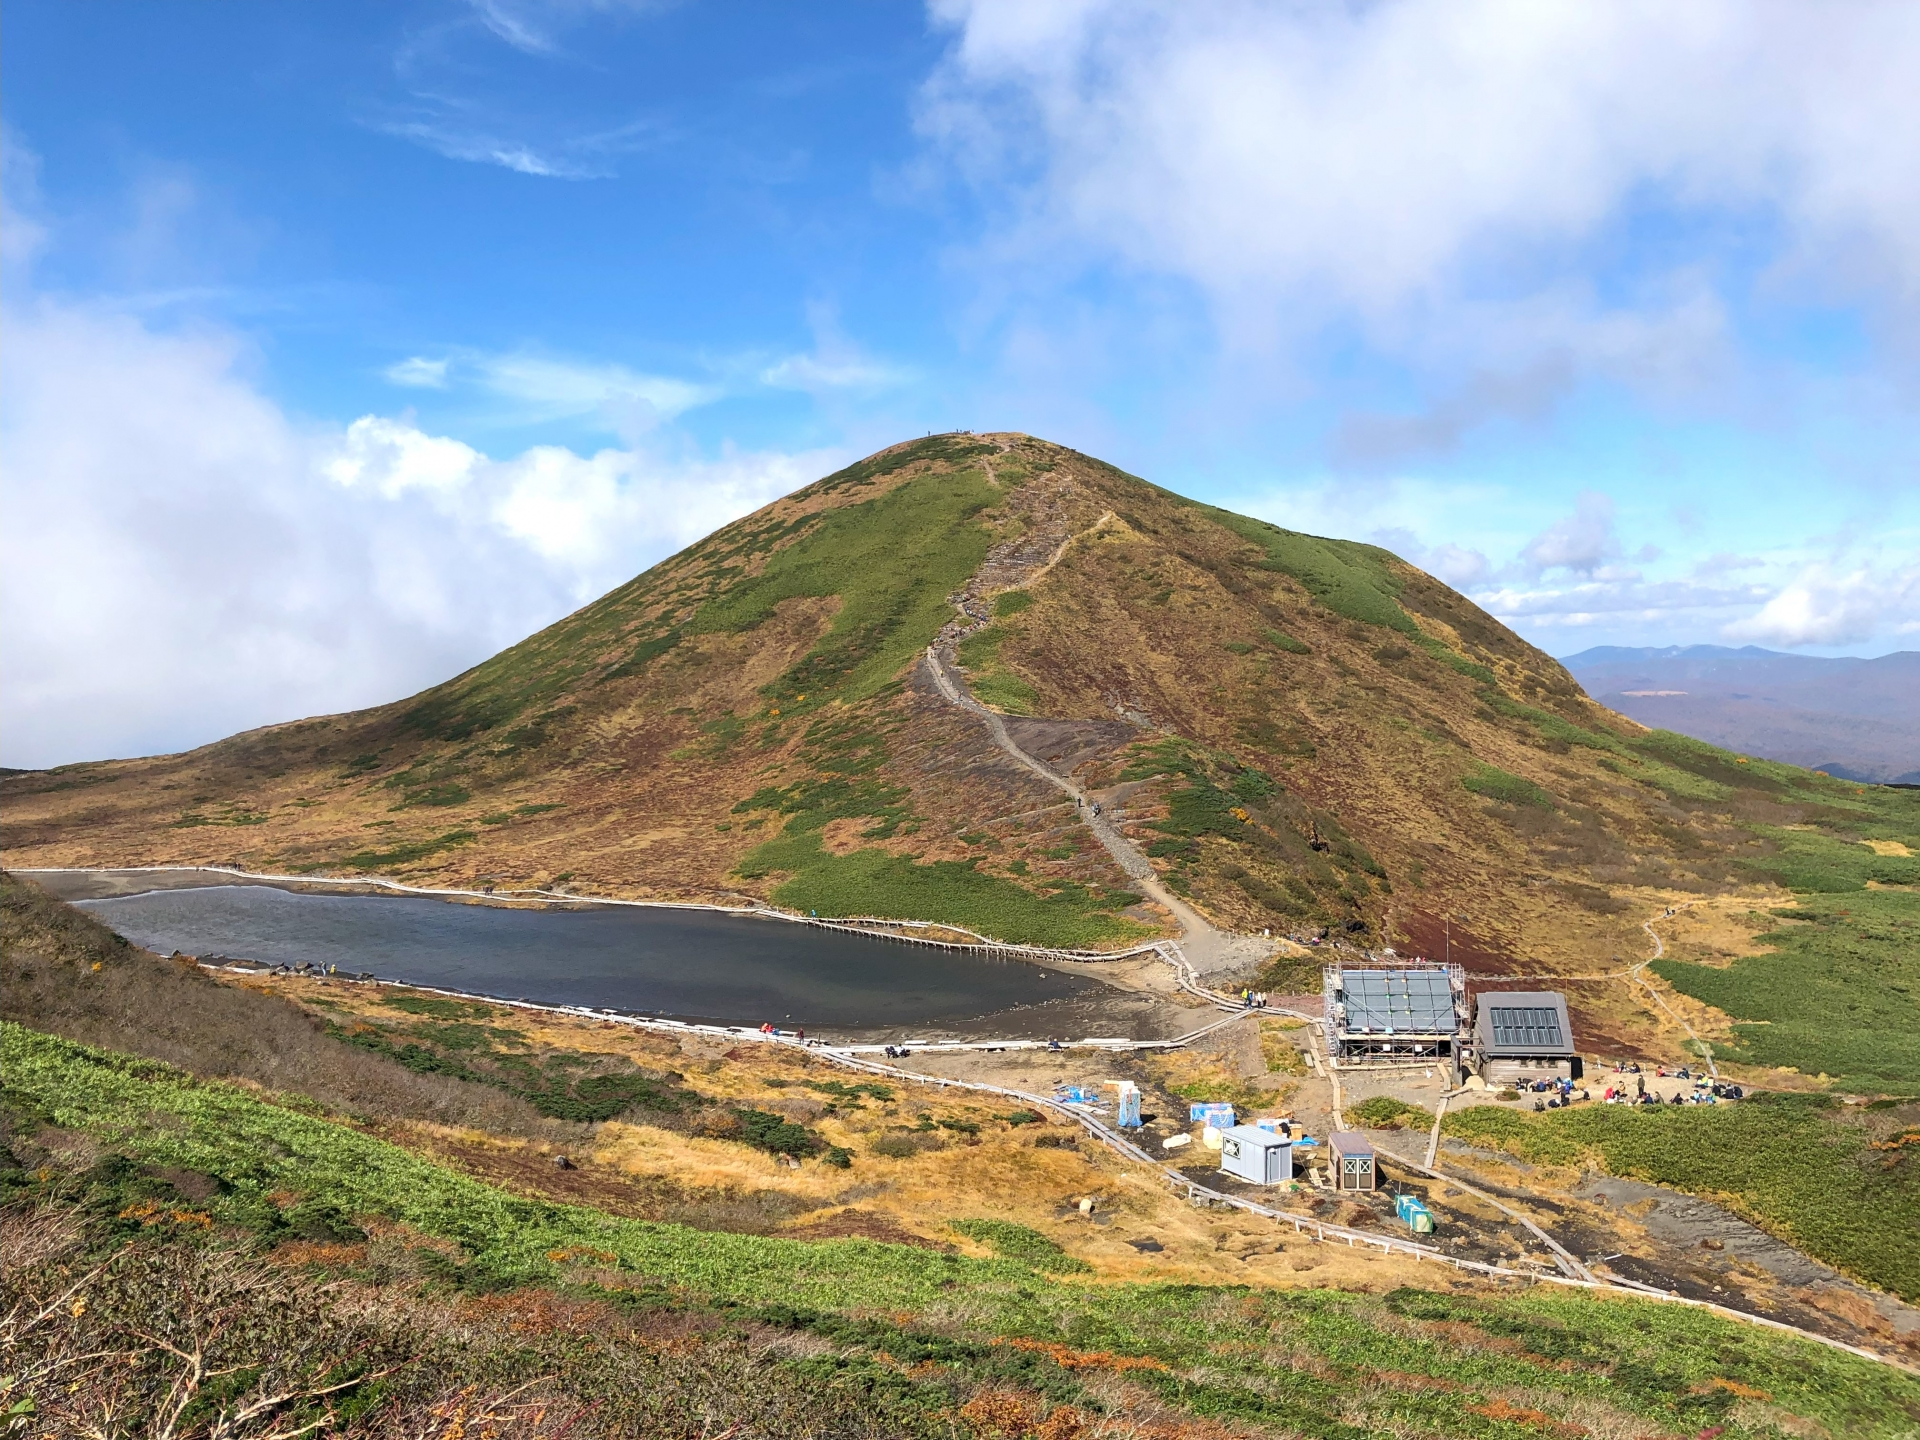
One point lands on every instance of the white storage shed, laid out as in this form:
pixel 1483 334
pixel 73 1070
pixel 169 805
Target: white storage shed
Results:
pixel 1257 1156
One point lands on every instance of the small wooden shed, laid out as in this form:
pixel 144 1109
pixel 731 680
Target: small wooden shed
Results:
pixel 1351 1161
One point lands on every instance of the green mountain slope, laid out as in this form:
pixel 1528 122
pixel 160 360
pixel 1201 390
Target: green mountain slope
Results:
pixel 1307 735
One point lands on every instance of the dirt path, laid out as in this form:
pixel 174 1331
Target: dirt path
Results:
pixel 1125 854
pixel 1013 565
pixel 1640 979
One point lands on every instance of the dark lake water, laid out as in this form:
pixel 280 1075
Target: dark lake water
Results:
pixel 690 965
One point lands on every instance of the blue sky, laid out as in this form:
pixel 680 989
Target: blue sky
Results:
pixel 348 343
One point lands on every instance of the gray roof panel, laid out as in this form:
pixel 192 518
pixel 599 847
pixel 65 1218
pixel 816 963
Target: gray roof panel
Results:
pixel 1522 1022
pixel 1403 1002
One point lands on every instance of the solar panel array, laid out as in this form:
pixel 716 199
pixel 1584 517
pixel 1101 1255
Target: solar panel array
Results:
pixel 1416 1002
pixel 1527 1027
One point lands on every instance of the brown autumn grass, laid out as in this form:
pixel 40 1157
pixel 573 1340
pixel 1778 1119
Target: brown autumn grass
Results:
pixel 1154 612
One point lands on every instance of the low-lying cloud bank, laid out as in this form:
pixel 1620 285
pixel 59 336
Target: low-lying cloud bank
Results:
pixel 182 559
pixel 1575 582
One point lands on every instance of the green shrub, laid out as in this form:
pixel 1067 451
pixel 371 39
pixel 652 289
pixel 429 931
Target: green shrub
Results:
pixel 1021 1244
pixel 439 1007
pixel 776 1134
pixel 1549 725
pixel 1497 784
pixel 1823 863
pixel 1010 602
pixel 1383 1112
pixel 990 681
pixel 550 1083
pixel 448 794
pixel 1347 577
pixel 903 1146
pixel 1006 692
pixel 1282 641
pixel 407 852
pixel 878 882
pixel 892 561
pixel 844 1091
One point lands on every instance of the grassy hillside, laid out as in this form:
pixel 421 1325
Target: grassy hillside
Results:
pixel 363 1228
pixel 1306 734
pixel 1831 994
pixel 480 1292
pixel 1839 1182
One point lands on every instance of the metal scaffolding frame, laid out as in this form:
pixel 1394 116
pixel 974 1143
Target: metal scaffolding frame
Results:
pixel 1399 1015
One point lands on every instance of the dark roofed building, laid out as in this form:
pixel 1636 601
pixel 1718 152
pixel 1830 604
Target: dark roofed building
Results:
pixel 1521 1035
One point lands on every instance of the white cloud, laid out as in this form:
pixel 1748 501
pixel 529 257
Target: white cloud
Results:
pixel 1582 542
pixel 830 372
pixel 514 25
pixel 1448 175
pixel 392 458
pixel 531 25
pixel 182 561
pixel 418 372
pixel 458 143
pixel 1457 565
pixel 1585 603
pixel 544 388
pixel 1822 606
pixel 581 512
pixel 836 362
pixel 1394 512
pixel 556 389
pixel 24 235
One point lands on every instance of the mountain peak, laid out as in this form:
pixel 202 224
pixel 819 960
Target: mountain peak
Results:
pixel 1293 734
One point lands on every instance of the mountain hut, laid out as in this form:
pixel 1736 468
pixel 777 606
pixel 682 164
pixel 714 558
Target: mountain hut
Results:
pixel 1521 1036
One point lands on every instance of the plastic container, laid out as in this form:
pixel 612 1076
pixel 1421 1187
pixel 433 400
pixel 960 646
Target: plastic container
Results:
pixel 1414 1212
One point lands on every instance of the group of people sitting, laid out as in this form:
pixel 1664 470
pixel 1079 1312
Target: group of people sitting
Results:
pixel 1704 1091
pixel 1560 1093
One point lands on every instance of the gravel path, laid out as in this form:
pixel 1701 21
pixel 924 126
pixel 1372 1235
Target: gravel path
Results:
pixel 1201 941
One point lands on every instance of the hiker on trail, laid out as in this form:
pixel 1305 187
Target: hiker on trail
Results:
pixel 803 1037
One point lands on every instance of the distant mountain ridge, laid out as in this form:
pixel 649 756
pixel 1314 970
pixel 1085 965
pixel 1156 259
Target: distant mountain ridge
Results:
pixel 1856 719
